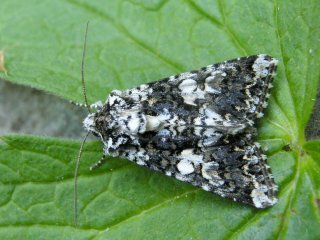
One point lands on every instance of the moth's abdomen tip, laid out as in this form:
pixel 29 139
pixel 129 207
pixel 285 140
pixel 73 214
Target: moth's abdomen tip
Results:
pixel 271 202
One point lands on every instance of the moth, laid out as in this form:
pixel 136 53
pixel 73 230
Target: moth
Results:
pixel 197 126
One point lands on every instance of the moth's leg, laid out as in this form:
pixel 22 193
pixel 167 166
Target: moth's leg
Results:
pixel 79 104
pixel 97 106
pixel 99 163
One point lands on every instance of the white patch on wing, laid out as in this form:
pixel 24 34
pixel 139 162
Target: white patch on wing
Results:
pixel 260 198
pixel 206 187
pixel 188 155
pixel 133 125
pixel 188 85
pixel 209 138
pixel 139 94
pixel 207 117
pixel 153 123
pixel 186 75
pixel 185 167
pixel 212 114
pixel 211 117
pixel 209 171
pixel 261 64
pixel 216 76
pixel 190 91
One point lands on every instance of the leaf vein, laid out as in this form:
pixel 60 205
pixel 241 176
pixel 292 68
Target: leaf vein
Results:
pixel 149 209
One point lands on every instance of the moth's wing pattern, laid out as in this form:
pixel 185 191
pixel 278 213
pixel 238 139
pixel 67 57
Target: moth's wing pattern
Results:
pixel 198 127
pixel 234 92
pixel 235 168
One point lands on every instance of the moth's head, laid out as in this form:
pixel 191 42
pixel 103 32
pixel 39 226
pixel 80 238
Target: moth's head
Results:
pixel 102 125
pixel 94 122
pixel 89 123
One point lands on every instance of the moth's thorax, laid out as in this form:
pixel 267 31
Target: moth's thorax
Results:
pixel 130 116
pixel 119 122
pixel 126 116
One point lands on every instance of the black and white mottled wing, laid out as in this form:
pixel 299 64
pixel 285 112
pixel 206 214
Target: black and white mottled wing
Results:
pixel 229 95
pixel 235 168
pixel 196 126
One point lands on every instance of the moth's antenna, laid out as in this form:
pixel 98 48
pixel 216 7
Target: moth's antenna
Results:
pixel 75 194
pixel 82 68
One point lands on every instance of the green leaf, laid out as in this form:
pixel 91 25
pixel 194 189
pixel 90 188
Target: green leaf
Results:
pixel 133 42
pixel 313 149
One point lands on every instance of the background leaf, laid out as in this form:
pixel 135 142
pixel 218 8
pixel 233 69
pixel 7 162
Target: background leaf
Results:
pixel 133 42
